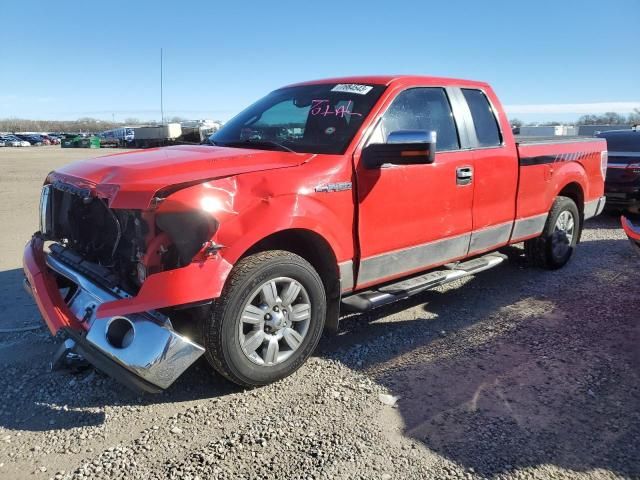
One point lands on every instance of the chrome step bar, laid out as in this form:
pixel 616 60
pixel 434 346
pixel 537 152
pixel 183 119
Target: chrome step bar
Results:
pixel 370 299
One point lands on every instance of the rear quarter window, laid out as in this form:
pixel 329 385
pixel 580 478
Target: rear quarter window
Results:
pixel 484 120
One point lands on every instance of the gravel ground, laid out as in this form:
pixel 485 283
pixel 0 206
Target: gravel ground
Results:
pixel 516 373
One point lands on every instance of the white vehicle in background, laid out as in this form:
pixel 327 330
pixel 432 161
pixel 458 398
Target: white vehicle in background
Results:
pixel 13 141
pixel 8 141
pixel 2 144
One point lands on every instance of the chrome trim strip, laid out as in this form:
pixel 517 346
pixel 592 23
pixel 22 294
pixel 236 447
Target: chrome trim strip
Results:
pixel 529 226
pixel 488 237
pixel 413 258
pixel 593 208
pixel 346 275
pixel 460 110
pixel 45 210
pixel 620 165
pixel 402 261
pixel 623 154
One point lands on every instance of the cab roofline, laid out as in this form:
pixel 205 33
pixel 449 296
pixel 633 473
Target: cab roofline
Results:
pixel 388 80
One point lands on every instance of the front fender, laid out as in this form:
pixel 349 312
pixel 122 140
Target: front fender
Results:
pixel 197 282
pixel 285 213
pixel 246 214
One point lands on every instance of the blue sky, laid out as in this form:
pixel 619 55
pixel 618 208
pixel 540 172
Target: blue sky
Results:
pixel 64 60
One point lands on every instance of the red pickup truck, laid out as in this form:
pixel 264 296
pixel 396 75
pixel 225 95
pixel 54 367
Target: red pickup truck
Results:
pixel 344 193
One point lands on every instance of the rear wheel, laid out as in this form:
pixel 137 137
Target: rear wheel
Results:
pixel 554 248
pixel 268 320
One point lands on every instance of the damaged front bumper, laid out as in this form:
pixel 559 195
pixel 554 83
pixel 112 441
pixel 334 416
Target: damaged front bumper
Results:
pixel 141 350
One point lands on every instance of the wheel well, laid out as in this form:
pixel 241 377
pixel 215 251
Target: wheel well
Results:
pixel 574 192
pixel 309 245
pixel 315 250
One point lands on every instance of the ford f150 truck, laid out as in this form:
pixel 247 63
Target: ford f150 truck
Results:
pixel 345 193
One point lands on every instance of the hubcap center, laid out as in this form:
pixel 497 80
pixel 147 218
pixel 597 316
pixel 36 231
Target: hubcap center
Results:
pixel 275 319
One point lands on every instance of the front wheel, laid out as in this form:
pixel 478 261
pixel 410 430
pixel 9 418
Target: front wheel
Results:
pixel 268 320
pixel 555 246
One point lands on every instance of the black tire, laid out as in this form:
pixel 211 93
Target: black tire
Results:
pixel 223 349
pixel 540 251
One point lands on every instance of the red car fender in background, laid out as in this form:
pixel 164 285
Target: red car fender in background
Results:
pixel 632 231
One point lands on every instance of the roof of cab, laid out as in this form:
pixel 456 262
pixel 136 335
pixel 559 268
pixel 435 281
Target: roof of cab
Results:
pixel 395 79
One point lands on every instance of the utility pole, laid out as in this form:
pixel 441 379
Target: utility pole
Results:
pixel 161 93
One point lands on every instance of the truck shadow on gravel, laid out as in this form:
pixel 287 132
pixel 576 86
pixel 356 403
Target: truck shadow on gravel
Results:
pixel 33 398
pixel 517 368
pixel 36 399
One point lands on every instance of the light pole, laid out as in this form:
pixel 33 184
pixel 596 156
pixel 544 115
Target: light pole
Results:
pixel 161 93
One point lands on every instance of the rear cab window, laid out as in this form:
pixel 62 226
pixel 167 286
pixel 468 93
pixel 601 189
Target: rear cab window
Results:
pixel 484 119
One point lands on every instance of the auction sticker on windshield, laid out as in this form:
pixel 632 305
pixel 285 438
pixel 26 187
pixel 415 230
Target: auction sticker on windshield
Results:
pixel 352 88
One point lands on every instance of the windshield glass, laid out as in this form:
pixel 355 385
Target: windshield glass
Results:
pixel 319 118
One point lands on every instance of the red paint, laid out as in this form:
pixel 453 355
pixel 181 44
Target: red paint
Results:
pixel 632 231
pixel 255 193
pixel 55 312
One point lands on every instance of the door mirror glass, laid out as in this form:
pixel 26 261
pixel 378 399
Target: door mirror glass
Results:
pixel 411 136
pixel 403 147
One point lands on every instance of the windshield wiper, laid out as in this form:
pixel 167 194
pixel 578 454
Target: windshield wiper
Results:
pixel 258 143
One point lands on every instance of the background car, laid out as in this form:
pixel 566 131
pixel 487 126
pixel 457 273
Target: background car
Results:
pixel 36 140
pixel 13 141
pixel 622 186
pixel 8 142
pixel 633 232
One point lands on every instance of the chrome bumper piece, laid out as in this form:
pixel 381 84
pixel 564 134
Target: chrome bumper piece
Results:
pixel 143 344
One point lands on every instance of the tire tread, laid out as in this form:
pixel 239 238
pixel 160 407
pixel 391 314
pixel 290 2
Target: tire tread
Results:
pixel 213 326
pixel 537 250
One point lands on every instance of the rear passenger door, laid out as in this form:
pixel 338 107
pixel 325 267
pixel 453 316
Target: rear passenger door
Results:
pixel 495 173
pixel 412 217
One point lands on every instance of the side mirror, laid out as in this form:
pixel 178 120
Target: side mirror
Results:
pixel 403 147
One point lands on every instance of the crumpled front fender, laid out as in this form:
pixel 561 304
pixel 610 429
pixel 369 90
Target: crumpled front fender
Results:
pixel 197 282
pixel 247 208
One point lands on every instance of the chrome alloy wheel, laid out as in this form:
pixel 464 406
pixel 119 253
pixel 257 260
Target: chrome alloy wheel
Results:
pixel 563 233
pixel 274 321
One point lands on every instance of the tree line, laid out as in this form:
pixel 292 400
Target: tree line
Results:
pixel 81 125
pixel 94 125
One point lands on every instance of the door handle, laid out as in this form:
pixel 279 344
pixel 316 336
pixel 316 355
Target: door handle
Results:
pixel 464 175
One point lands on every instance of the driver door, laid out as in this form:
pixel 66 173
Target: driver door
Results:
pixel 412 217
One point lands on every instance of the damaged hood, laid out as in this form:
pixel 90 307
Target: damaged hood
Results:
pixel 131 179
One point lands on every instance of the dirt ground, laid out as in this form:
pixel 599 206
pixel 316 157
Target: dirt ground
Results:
pixel 515 373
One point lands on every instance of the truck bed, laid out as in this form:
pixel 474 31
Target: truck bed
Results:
pixel 524 140
pixel 547 162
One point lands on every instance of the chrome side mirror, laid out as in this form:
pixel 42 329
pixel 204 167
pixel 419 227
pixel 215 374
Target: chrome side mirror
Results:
pixel 403 147
pixel 412 136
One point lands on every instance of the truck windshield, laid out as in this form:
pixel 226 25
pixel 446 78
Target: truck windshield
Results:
pixel 320 118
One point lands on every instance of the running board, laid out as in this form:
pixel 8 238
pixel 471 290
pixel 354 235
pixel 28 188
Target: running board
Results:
pixel 363 301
